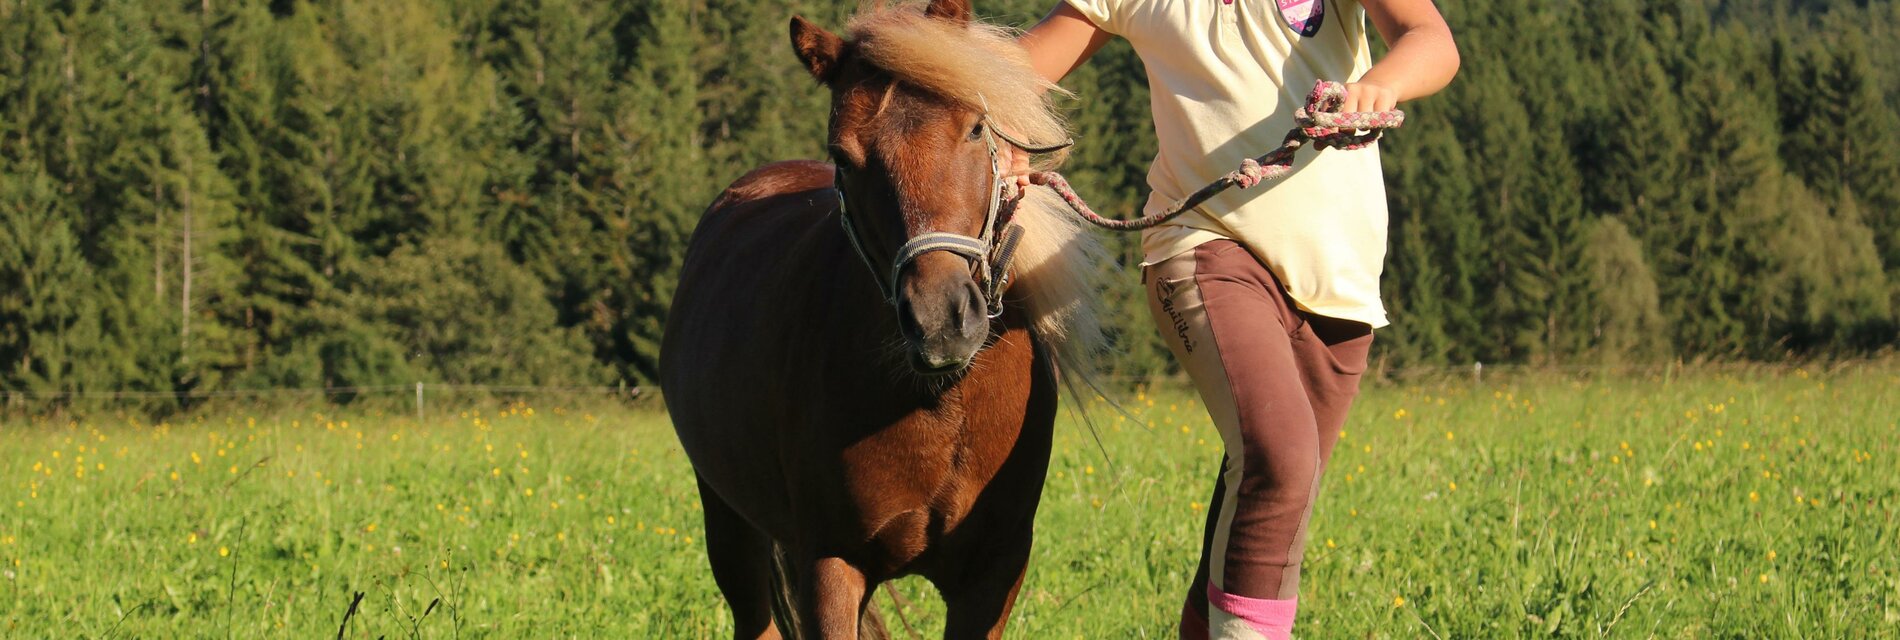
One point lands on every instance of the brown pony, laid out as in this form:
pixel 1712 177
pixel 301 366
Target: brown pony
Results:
pixel 850 425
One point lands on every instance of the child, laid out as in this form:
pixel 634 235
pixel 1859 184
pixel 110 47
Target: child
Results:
pixel 1267 296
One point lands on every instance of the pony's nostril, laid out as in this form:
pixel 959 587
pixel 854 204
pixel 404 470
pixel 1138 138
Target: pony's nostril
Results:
pixel 907 320
pixel 958 301
pixel 972 317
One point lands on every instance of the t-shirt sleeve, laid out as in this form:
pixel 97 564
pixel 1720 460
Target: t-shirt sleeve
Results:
pixel 1106 14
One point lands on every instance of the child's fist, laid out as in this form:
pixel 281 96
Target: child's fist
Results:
pixel 1015 164
pixel 1367 97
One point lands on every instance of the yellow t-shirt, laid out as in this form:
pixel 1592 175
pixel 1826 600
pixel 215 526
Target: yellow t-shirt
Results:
pixel 1224 79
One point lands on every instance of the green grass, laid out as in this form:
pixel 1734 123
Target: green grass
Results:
pixel 1753 503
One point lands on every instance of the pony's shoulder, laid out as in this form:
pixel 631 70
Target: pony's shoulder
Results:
pixel 768 207
pixel 776 179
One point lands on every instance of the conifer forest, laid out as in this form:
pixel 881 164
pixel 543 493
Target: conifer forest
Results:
pixel 202 195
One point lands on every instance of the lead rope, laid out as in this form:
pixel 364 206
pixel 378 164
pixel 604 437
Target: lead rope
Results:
pixel 1320 124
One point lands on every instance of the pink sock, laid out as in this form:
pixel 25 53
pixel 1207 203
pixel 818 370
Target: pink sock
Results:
pixel 1248 618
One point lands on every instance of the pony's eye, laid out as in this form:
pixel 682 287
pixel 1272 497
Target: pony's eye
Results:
pixel 976 132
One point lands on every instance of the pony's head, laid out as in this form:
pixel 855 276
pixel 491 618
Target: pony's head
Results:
pixel 914 93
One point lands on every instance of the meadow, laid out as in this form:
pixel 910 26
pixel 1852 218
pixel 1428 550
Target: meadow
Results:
pixel 1721 503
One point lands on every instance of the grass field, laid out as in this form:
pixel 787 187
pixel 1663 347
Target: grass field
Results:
pixel 1748 503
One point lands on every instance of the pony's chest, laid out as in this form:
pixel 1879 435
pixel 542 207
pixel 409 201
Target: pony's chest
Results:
pixel 915 485
pixel 928 465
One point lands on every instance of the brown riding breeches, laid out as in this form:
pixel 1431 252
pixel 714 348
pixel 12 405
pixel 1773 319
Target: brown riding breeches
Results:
pixel 1277 382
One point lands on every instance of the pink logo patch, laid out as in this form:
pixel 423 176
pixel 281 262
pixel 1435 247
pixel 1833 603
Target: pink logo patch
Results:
pixel 1304 16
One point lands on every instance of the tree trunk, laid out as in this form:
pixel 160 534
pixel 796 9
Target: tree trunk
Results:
pixel 184 297
pixel 158 242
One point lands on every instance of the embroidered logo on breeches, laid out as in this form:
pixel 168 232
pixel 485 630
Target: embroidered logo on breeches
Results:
pixel 1164 293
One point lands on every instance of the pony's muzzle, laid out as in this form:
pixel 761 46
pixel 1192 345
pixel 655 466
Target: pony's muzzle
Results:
pixel 940 312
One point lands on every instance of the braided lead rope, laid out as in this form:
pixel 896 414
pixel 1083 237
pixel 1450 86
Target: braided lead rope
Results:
pixel 1320 124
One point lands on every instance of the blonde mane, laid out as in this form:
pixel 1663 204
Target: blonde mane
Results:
pixel 976 64
pixel 1057 278
pixel 981 67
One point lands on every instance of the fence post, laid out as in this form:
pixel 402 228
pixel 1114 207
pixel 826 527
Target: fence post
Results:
pixel 418 404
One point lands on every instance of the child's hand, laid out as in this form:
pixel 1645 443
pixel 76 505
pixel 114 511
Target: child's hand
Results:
pixel 1368 97
pixel 1015 163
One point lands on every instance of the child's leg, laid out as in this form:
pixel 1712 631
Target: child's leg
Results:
pixel 1278 392
pixel 1194 609
pixel 1231 335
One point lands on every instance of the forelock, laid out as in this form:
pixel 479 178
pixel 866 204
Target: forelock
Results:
pixel 977 65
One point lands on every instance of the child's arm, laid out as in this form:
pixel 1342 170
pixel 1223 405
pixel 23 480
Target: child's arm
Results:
pixel 1421 60
pixel 1062 41
pixel 1057 45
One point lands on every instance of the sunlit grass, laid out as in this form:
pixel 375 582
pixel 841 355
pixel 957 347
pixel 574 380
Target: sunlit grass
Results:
pixel 1744 504
pixel 522 521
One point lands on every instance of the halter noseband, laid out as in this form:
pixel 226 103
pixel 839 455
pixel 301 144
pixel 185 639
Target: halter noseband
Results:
pixel 989 253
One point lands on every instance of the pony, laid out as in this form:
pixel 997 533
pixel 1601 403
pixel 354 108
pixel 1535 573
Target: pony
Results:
pixel 862 357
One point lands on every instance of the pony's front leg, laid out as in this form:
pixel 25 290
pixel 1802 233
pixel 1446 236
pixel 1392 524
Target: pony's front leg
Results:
pixel 979 600
pixel 831 599
pixel 741 559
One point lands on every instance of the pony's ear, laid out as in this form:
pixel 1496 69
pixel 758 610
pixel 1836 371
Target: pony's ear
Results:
pixel 952 10
pixel 819 49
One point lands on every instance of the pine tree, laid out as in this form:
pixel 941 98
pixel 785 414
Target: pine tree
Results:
pixel 553 208
pixel 153 206
pixel 1495 126
pixel 556 62
pixel 317 196
pixel 49 333
pixel 660 180
pixel 1865 137
pixel 1735 137
pixel 234 77
pixel 756 97
pixel 421 107
pixel 1438 248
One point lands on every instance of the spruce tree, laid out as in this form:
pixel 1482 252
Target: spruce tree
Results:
pixel 661 179
pixel 1438 246
pixel 49 332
